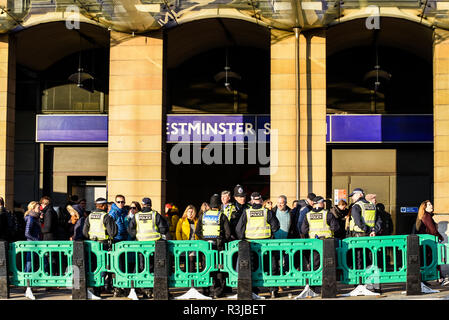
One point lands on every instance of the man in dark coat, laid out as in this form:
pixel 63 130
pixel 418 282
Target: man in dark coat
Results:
pixel 49 219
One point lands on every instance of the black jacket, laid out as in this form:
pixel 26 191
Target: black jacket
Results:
pixel 161 224
pixel 64 229
pixel 235 217
pixel 340 216
pixel 50 221
pixel 225 231
pixel 292 229
pixel 109 223
pixel 4 234
pixel 332 222
pixel 271 219
pixel 356 214
pixel 387 222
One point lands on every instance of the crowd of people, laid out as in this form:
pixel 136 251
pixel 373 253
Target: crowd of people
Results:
pixel 224 218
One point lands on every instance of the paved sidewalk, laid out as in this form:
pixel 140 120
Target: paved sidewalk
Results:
pixel 389 292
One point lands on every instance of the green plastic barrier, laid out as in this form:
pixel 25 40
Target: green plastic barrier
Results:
pixel 294 272
pixel 429 257
pixel 51 263
pixel 205 261
pixel 384 259
pixel 132 262
pixel 97 260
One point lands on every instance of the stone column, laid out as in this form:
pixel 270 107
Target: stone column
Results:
pixel 312 113
pixel 7 117
pixel 441 121
pixel 298 97
pixel 136 147
pixel 284 102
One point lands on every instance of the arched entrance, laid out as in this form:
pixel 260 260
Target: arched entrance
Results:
pixel 383 79
pixel 218 72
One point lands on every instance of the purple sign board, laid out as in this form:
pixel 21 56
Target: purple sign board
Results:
pixel 380 128
pixel 72 128
pixel 217 128
pixel 240 128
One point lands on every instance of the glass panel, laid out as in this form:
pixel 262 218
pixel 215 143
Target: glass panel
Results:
pixel 69 97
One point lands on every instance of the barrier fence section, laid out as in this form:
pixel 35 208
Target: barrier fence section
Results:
pixel 192 262
pixel 132 263
pixel 383 259
pixel 41 263
pixel 97 263
pixel 301 262
pixel 284 262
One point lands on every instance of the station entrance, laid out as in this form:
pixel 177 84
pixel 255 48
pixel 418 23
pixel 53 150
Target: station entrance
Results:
pixel 218 78
pixel 380 99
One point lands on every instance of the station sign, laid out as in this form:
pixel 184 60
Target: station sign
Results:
pixel 217 128
pixel 409 209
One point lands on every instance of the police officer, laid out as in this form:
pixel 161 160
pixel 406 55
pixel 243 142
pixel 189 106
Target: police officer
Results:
pixel 147 225
pixel 257 223
pixel 99 226
pixel 227 207
pixel 213 226
pixel 364 222
pixel 240 206
pixel 318 224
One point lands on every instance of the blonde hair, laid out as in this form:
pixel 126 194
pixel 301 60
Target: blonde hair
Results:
pixel 31 207
pixel 72 211
pixel 184 215
pixel 421 211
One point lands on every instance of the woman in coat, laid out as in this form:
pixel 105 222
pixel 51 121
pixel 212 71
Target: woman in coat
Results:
pixel 32 228
pixel 185 230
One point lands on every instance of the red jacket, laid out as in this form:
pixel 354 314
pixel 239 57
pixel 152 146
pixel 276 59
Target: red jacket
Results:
pixel 429 226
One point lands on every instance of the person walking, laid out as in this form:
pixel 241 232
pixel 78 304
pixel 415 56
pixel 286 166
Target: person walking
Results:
pixel 257 223
pixel 100 226
pixel 425 224
pixel 147 225
pixel 340 212
pixel 214 227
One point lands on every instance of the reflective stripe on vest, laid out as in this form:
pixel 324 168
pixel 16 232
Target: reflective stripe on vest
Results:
pixel 257 226
pixel 368 216
pixel 228 211
pixel 96 226
pixel 211 224
pixel 318 224
pixel 146 228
